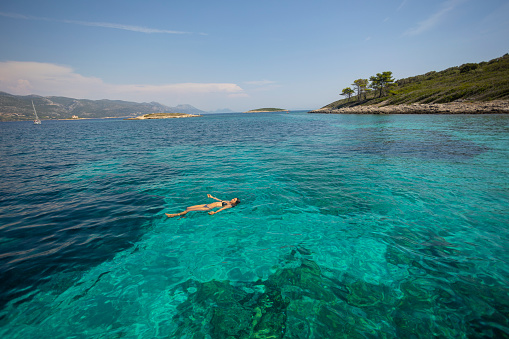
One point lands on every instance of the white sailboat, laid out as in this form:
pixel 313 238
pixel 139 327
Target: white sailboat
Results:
pixel 37 121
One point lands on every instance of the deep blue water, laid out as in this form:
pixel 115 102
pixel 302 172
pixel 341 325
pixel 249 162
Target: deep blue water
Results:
pixel 349 226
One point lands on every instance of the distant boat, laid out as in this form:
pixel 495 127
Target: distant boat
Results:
pixel 37 121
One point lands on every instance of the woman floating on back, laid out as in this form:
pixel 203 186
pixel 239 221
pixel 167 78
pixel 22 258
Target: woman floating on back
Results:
pixel 223 204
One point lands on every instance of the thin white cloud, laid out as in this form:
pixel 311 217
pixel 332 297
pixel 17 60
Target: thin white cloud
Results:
pixel 435 19
pixel 123 27
pixel 131 28
pixel 260 82
pixel 23 78
pixel 15 16
pixel 262 85
pixel 401 5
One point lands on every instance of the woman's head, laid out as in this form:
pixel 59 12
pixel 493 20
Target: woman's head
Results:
pixel 235 201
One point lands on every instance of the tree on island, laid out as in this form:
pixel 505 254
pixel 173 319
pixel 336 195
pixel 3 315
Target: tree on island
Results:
pixel 347 92
pixel 380 84
pixel 367 92
pixel 382 81
pixel 360 86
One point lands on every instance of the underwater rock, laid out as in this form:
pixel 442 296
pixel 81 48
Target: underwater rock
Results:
pixel 270 318
pixel 299 301
pixel 301 281
pixel 233 321
pixel 221 310
pixel 363 294
pixel 425 251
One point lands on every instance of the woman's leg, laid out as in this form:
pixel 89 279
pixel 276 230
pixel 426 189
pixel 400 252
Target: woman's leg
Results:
pixel 176 214
pixel 189 209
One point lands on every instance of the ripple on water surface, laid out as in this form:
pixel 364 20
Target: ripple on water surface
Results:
pixel 348 226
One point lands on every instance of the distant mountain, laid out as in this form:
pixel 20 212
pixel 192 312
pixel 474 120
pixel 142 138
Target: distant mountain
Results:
pixel 185 109
pixel 17 108
pixel 222 110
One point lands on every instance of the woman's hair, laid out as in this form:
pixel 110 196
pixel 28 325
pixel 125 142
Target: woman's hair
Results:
pixel 238 201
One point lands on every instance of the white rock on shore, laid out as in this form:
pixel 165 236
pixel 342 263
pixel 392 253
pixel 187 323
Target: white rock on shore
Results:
pixel 164 116
pixel 488 107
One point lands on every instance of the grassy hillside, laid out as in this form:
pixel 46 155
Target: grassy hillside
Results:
pixel 484 81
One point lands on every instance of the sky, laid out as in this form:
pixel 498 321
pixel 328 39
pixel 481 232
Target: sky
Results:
pixel 233 54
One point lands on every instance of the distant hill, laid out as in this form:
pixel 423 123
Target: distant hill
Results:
pixel 484 81
pixel 18 108
pixel 185 109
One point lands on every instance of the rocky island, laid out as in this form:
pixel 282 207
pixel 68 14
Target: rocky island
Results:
pixel 164 116
pixel 267 110
pixel 472 88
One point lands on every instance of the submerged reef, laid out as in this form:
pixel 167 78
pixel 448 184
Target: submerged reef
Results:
pixel 303 300
pixel 225 311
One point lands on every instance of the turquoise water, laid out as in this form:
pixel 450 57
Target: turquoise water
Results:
pixel 349 226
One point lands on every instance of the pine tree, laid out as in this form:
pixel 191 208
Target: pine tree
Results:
pixel 347 92
pixel 360 86
pixel 381 81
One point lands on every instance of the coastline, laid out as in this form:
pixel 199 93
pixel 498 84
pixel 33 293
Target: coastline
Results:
pixel 164 116
pixel 487 107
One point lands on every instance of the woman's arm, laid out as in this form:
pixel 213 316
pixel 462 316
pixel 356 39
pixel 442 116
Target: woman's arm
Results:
pixel 210 196
pixel 219 210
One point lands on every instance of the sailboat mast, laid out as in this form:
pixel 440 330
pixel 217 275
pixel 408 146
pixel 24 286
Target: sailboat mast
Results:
pixel 36 117
pixel 36 121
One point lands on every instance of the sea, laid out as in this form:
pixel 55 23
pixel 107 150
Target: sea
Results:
pixel 349 226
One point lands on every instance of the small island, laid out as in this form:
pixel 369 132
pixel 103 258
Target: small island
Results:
pixel 267 110
pixel 164 116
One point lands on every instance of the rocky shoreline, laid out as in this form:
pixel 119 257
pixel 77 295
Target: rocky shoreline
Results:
pixel 164 116
pixel 488 107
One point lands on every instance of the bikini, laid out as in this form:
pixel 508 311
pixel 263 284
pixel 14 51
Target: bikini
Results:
pixel 223 204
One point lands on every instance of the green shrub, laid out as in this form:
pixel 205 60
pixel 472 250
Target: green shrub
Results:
pixel 465 68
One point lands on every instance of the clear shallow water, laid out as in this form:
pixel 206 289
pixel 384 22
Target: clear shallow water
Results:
pixel 350 225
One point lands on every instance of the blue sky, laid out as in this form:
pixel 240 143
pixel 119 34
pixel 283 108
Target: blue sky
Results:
pixel 236 54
